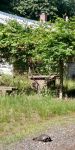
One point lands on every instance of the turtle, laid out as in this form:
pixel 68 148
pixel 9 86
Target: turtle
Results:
pixel 43 138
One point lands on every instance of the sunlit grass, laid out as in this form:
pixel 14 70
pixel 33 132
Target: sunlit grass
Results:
pixel 21 114
pixel 70 84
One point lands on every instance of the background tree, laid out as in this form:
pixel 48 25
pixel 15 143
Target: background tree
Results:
pixel 52 46
pixel 56 45
pixel 33 8
pixel 5 5
pixel 16 46
pixel 66 6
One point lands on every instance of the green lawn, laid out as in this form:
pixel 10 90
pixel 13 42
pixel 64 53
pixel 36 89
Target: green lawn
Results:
pixel 23 115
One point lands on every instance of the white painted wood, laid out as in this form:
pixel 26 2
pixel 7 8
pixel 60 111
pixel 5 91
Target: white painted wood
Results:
pixel 5 17
pixel 6 68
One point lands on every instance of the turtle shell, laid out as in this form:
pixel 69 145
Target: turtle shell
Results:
pixel 43 138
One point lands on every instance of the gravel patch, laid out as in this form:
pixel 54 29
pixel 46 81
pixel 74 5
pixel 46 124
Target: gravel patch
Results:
pixel 63 138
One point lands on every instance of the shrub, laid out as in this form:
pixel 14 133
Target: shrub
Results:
pixel 6 80
pixel 22 83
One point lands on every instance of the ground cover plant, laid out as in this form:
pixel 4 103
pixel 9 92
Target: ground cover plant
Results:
pixel 20 82
pixel 21 115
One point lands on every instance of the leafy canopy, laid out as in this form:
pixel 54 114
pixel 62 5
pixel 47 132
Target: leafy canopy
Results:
pixel 33 8
pixel 41 47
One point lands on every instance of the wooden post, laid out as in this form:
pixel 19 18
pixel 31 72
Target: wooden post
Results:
pixel 61 79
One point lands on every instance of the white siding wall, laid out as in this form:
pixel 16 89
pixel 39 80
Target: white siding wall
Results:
pixel 5 17
pixel 6 68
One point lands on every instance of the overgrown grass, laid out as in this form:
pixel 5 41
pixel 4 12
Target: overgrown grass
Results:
pixel 21 82
pixel 70 84
pixel 20 114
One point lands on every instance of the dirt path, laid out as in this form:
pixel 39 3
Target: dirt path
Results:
pixel 63 139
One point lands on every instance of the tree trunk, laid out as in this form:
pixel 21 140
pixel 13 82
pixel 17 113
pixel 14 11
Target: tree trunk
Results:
pixel 61 79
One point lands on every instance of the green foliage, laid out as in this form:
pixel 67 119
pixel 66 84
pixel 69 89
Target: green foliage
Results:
pixel 20 82
pixel 40 48
pixel 66 6
pixel 6 80
pixel 56 42
pixel 23 85
pixel 33 8
pixel 69 84
pixel 16 45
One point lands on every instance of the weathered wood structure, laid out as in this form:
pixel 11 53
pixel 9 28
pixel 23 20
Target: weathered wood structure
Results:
pixel 42 81
pixel 6 89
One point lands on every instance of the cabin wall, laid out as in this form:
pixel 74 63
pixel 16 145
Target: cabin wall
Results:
pixel 38 85
pixel 71 70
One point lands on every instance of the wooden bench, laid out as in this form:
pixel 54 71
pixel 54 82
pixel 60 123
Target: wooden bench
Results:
pixel 7 89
